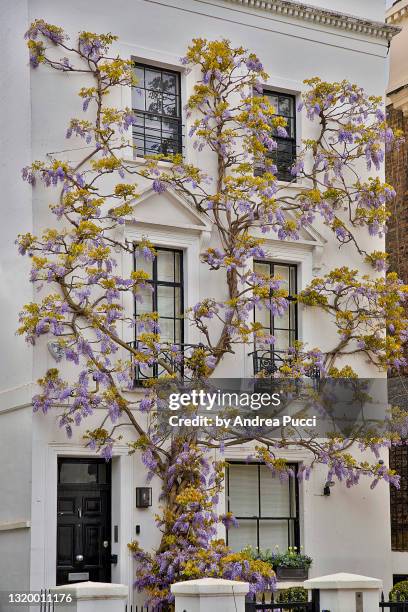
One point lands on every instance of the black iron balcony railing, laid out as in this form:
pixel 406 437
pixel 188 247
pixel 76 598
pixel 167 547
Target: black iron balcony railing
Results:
pixel 175 363
pixel 269 361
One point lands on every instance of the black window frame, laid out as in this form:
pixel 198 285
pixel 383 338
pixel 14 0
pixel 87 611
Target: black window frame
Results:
pixel 283 174
pixel 295 519
pixel 155 283
pixel 139 132
pixel 398 460
pixel 272 327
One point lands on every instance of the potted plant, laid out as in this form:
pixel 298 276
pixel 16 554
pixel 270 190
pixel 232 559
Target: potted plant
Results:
pixel 399 592
pixel 294 594
pixel 292 564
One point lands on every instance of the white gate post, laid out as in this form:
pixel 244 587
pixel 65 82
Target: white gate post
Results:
pixel 92 597
pixel 341 592
pixel 210 594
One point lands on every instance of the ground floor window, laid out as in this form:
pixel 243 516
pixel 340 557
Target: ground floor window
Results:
pixel 267 510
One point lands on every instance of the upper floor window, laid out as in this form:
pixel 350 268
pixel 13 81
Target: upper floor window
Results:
pixel 285 327
pixel 399 499
pixel 164 296
pixel 267 509
pixel 285 154
pixel 156 102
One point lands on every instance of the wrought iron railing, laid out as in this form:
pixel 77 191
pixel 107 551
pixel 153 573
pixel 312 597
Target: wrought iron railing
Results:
pixel 269 361
pixel 395 606
pixel 273 605
pixel 176 364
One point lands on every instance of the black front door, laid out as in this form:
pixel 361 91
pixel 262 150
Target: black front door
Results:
pixel 83 521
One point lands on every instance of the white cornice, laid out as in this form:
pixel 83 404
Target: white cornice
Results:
pixel 323 17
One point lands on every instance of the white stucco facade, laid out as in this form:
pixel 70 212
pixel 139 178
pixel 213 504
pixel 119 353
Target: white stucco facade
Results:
pixel 346 532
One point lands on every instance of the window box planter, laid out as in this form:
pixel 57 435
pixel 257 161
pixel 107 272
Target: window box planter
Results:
pixel 292 573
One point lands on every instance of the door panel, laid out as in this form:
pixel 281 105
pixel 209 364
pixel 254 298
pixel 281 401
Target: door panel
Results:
pixel 83 521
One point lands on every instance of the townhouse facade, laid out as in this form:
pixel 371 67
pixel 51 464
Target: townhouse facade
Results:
pixel 49 485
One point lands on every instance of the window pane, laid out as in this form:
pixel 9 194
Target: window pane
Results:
pixel 261 268
pixel 145 265
pixel 139 98
pixel 153 79
pixel 170 129
pixel 179 331
pixel 283 273
pixel 178 304
pixel 282 339
pixel 153 145
pixel 274 101
pixel 243 490
pixel 154 102
pixel 102 475
pixel 165 266
pixel 169 82
pixel 292 280
pixel 263 316
pixel 145 300
pixel 139 72
pixel 272 534
pixel 170 105
pixel 275 498
pixel 177 266
pixel 286 106
pixel 152 126
pixel 282 321
pixel 167 330
pixel 243 535
pixel 290 127
pixel 78 473
pixel 292 311
pixel 165 301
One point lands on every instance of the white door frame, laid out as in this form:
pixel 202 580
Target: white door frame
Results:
pixel 44 545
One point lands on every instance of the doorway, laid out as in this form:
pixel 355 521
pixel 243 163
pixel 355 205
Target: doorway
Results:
pixel 83 520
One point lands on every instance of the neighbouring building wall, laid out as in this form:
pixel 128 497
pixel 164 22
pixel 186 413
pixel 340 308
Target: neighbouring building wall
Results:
pixel 397 176
pixel 16 358
pixel 397 238
pixel 397 161
pixel 15 504
pixel 15 198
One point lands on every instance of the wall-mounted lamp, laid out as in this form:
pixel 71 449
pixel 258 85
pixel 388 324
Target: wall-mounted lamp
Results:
pixel 328 485
pixel 143 497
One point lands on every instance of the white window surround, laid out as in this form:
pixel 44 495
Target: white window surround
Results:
pixel 241 453
pixel 44 513
pixel 307 255
pixel 190 244
pixel 158 59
